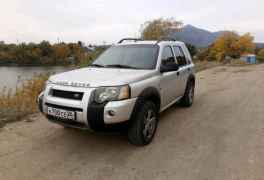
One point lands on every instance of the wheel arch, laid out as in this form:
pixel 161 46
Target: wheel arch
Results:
pixel 191 78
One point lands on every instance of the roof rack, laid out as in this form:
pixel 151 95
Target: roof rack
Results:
pixel 129 39
pixel 165 39
pixel 136 39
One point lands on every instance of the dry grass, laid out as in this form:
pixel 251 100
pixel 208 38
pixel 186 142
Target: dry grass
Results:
pixel 238 62
pixel 22 102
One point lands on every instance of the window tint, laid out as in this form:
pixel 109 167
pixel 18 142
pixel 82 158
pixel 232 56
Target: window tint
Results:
pixel 167 56
pixel 179 56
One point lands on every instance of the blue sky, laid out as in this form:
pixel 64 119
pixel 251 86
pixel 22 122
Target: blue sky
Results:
pixel 104 20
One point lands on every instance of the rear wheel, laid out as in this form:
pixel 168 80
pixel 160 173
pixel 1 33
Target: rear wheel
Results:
pixel 143 124
pixel 187 99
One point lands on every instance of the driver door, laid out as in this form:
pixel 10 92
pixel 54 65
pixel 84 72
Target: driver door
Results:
pixel 169 83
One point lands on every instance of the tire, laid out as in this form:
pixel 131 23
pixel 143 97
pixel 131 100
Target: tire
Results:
pixel 143 124
pixel 187 99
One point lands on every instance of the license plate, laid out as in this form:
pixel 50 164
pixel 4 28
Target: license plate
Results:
pixel 64 114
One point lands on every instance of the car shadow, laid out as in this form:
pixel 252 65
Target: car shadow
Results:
pixel 115 135
pixel 112 147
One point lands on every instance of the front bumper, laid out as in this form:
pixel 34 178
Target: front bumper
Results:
pixel 88 113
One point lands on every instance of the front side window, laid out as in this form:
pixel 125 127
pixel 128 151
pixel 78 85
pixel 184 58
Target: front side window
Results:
pixel 167 56
pixel 129 56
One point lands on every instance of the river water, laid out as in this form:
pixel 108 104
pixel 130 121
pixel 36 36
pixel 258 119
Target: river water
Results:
pixel 10 76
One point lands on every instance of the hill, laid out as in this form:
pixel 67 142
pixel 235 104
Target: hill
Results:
pixel 260 45
pixel 196 36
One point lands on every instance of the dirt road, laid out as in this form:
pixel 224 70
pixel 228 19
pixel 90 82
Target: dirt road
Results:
pixel 220 138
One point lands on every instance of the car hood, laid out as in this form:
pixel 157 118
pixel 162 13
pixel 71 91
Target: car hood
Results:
pixel 96 77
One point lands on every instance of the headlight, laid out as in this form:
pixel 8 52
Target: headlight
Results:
pixel 105 94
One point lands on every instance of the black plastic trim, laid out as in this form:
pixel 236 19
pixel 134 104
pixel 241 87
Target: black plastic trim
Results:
pixel 129 39
pixel 40 103
pixel 190 78
pixel 147 94
pixel 64 107
pixel 66 94
pixel 95 114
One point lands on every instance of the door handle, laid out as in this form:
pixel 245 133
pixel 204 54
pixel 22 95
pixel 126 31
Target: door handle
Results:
pixel 189 69
pixel 178 73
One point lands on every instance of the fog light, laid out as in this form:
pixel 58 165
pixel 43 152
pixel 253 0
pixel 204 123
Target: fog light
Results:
pixel 111 113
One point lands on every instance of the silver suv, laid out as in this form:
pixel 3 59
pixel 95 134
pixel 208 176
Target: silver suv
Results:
pixel 130 83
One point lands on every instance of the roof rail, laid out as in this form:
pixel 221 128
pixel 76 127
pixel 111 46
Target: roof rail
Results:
pixel 129 39
pixel 165 39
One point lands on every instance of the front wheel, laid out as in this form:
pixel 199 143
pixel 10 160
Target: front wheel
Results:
pixel 143 124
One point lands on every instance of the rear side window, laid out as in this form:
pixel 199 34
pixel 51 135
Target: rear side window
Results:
pixel 180 56
pixel 167 56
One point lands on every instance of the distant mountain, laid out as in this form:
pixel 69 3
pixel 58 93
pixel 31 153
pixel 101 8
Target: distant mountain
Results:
pixel 260 45
pixel 196 36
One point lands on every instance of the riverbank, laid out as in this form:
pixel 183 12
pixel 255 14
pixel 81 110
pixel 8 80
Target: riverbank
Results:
pixel 15 106
pixel 11 77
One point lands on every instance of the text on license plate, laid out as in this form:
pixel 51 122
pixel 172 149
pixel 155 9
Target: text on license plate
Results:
pixel 64 114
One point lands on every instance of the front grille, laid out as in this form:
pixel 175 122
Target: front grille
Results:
pixel 66 94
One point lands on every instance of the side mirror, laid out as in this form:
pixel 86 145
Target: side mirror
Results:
pixel 169 67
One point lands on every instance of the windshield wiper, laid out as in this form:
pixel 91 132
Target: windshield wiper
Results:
pixel 96 65
pixel 121 66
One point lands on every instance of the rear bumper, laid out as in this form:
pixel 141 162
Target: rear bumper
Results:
pixel 88 114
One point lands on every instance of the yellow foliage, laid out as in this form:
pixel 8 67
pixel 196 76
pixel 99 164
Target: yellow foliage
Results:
pixel 245 44
pixel 62 51
pixel 159 28
pixel 231 44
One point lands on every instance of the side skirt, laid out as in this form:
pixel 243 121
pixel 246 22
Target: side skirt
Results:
pixel 170 104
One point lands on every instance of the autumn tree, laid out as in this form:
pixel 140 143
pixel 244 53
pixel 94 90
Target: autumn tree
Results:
pixel 61 53
pixel 46 48
pixel 159 28
pixel 77 51
pixel 43 53
pixel 245 44
pixel 232 45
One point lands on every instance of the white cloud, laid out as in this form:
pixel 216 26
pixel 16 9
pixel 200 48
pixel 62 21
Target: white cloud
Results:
pixel 103 20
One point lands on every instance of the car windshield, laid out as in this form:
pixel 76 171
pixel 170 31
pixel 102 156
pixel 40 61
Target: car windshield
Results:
pixel 129 56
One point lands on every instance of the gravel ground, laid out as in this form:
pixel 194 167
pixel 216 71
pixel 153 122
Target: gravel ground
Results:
pixel 219 137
